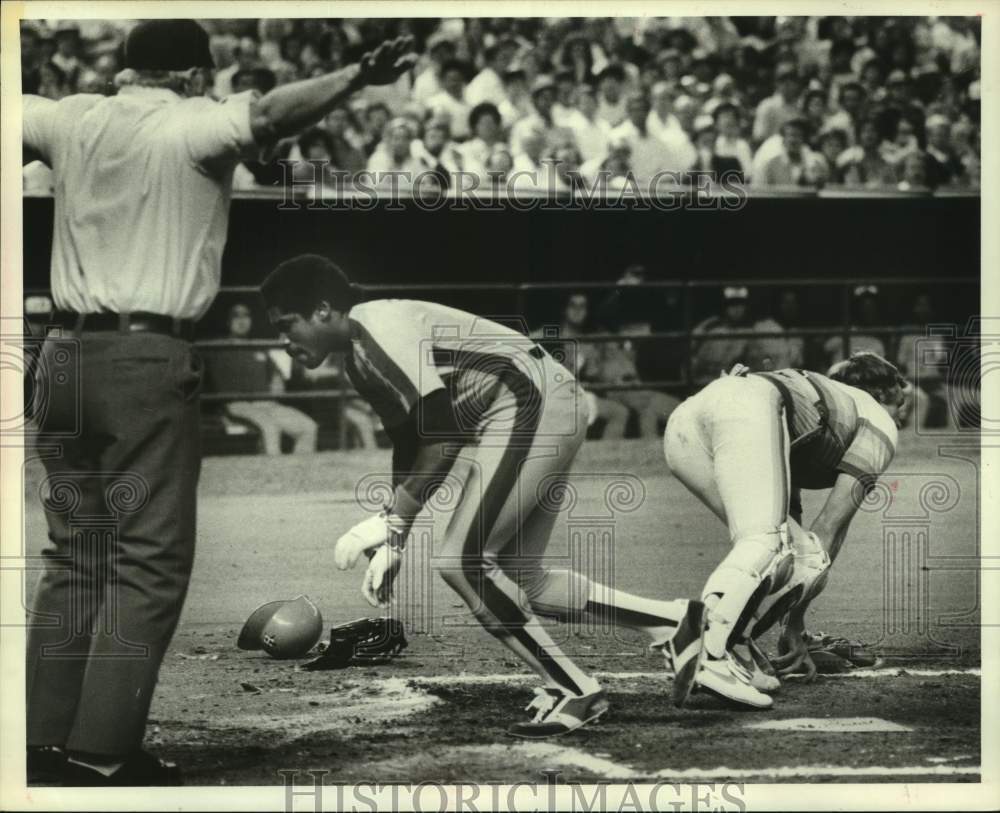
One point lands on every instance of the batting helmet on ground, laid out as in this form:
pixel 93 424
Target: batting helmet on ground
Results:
pixel 283 629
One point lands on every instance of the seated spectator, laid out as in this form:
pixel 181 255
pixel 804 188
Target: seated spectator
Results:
pixel 708 166
pixel 898 105
pixel 437 152
pixel 863 165
pixel 317 164
pixel 485 126
pixel 440 51
pixel 729 143
pixel 832 145
pixel 850 112
pixel 393 163
pixel 589 131
pixel 518 101
pixel 543 97
pixel 258 371
pixel 923 359
pixel 376 118
pixel 795 164
pixel 451 98
pixel 487 85
pixel 247 56
pixel 610 95
pixel 360 419
pixel 914 173
pixel 67 57
pixel 943 165
pixel 780 352
pixel 581 359
pixel 775 111
pixel 865 314
pixel 528 161
pixel 712 350
pixel 346 140
pixel 661 120
pixel 499 166
pixel 650 155
pixel 614 170
pixel 903 144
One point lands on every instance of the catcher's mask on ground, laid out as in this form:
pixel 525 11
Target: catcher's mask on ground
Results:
pixel 283 629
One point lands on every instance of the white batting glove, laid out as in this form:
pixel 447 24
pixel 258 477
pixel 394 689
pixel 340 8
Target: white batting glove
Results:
pixel 381 573
pixel 362 538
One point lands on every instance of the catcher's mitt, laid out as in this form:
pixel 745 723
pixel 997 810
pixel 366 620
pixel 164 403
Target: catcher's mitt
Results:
pixel 364 641
pixel 833 653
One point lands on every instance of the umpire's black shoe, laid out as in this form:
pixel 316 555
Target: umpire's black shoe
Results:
pixel 44 764
pixel 139 770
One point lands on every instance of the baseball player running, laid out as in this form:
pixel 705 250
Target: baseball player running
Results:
pixel 468 399
pixel 740 445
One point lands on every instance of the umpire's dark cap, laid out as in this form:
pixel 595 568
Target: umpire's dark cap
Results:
pixel 167 45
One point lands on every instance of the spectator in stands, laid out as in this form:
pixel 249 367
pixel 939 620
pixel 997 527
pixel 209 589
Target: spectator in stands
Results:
pixel 863 165
pixel 528 161
pixel 393 162
pixel 903 144
pixel 440 51
pixel 578 59
pixel 914 173
pixel 376 118
pixel 969 156
pixel 487 86
pixel 775 111
pixel 247 56
pixel 67 55
pixel 865 315
pixel 31 58
pixel 729 143
pixel 779 352
pixel 485 126
pixel 346 140
pixel 438 152
pixel 543 97
pixel 650 155
pixel 850 113
pixel 795 164
pixel 898 105
pixel 518 101
pixel 943 165
pixel 451 98
pixel 581 358
pixel 923 358
pixel 317 164
pixel 613 171
pixel 361 423
pixel 832 145
pixel 589 131
pixel 258 371
pixel 610 95
pixel 712 349
pixel 53 83
pixel 709 166
pixel 499 165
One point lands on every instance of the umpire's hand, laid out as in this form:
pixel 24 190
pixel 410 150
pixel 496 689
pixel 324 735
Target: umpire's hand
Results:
pixel 388 62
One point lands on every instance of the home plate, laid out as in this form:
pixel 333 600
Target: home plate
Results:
pixel 836 725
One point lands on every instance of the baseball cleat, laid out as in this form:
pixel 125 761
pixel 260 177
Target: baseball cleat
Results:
pixel 753 664
pixel 727 679
pixel 558 712
pixel 686 651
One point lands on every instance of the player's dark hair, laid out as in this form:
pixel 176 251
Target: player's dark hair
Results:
pixel 298 285
pixel 871 373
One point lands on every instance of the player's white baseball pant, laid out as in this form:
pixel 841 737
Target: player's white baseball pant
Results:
pixel 498 532
pixel 729 445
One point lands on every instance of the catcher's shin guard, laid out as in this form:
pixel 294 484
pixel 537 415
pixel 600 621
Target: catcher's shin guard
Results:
pixel 736 587
pixel 811 566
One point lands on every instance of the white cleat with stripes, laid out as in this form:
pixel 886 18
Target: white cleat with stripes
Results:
pixel 559 712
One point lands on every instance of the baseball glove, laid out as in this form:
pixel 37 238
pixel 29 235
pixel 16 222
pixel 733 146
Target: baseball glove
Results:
pixel 364 641
pixel 833 653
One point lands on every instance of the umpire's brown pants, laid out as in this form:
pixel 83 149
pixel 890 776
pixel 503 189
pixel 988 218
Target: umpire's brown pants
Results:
pixel 120 497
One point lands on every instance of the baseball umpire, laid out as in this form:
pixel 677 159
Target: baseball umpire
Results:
pixel 143 182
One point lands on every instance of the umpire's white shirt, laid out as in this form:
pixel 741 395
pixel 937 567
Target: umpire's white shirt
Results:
pixel 142 187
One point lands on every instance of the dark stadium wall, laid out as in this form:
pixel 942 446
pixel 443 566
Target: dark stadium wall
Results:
pixel 789 238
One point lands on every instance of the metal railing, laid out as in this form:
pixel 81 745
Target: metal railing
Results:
pixel 521 292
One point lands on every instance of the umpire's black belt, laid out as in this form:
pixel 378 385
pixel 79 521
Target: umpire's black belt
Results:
pixel 136 322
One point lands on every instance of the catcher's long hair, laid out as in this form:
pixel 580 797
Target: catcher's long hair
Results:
pixel 873 374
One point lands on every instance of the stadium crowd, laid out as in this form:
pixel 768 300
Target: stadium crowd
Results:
pixel 853 102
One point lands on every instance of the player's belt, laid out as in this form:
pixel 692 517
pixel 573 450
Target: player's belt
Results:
pixel 136 322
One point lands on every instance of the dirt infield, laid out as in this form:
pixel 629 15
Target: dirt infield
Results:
pixel 907 583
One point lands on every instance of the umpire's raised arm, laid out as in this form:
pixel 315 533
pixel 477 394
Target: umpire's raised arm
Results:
pixel 293 107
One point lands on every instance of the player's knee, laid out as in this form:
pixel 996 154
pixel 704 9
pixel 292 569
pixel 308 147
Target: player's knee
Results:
pixel 560 594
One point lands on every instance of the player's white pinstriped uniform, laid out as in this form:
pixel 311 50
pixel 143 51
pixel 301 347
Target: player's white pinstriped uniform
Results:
pixel 725 443
pixel 525 415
